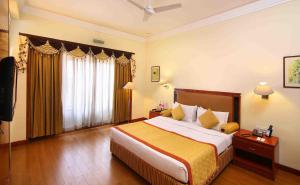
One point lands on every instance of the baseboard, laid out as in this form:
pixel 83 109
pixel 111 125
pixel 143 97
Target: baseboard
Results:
pixel 4 145
pixel 288 169
pixel 138 119
pixel 21 142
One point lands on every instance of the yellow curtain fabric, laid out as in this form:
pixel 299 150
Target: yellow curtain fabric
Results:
pixel 44 94
pixel 122 111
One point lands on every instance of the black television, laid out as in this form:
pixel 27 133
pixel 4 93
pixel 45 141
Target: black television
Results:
pixel 8 88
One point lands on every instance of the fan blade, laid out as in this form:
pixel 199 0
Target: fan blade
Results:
pixel 135 4
pixel 166 8
pixel 146 16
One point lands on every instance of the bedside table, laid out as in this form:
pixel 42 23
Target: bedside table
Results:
pixel 153 114
pixel 260 157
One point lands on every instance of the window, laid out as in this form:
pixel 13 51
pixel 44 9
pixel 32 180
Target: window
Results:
pixel 87 91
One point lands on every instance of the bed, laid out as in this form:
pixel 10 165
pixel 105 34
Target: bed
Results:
pixel 158 168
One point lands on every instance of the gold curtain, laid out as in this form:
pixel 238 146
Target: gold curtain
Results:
pixel 44 94
pixel 122 112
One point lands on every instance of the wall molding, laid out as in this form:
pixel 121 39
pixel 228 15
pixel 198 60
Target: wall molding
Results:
pixel 233 13
pixel 288 169
pixel 236 12
pixel 72 21
pixel 17 143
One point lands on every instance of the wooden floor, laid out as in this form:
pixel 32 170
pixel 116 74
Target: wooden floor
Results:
pixel 83 158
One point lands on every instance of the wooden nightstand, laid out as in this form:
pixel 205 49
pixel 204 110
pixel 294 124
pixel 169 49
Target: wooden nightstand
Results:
pixel 260 157
pixel 153 114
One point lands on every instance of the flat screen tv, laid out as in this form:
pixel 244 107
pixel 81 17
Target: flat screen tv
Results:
pixel 8 88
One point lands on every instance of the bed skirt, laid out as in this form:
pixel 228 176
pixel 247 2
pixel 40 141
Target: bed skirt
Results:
pixel 155 176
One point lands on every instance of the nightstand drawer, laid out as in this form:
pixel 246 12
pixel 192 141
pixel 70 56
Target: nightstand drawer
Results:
pixel 255 148
pixel 153 114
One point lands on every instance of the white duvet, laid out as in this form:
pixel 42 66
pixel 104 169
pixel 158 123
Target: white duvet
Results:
pixel 165 163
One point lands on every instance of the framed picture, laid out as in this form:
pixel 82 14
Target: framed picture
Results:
pixel 155 74
pixel 291 71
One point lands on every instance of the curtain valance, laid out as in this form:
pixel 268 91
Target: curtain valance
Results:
pixel 54 46
pixel 70 46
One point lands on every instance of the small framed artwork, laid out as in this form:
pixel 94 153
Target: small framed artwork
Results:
pixel 291 71
pixel 155 74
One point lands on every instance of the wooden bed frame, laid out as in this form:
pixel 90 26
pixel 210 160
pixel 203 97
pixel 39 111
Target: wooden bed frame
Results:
pixel 215 100
pixel 218 101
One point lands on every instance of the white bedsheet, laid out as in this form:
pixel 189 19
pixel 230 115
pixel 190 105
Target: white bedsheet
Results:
pixel 163 162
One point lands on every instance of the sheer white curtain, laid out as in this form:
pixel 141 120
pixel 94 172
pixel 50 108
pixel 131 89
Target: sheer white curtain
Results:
pixel 87 91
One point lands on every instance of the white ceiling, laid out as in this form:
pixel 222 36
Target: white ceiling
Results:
pixel 122 16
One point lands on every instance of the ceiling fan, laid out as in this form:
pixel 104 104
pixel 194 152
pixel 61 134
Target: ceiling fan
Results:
pixel 149 10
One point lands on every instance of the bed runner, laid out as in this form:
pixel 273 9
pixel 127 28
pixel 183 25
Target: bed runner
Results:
pixel 199 158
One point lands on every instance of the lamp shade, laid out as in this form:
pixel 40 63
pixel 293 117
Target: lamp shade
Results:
pixel 163 82
pixel 263 89
pixel 129 85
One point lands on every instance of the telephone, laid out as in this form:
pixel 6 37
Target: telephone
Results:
pixel 263 132
pixel 258 132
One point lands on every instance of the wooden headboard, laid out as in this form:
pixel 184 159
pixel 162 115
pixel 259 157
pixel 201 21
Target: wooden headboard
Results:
pixel 217 101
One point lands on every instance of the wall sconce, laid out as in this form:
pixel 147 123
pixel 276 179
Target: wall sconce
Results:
pixel 164 83
pixel 264 90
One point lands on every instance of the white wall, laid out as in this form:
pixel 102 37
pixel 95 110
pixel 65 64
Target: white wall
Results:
pixel 235 56
pixel 38 26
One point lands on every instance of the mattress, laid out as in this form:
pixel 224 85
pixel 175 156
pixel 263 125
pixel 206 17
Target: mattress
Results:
pixel 163 162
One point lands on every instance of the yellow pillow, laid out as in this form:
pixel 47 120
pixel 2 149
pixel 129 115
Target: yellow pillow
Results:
pixel 177 113
pixel 166 113
pixel 229 128
pixel 208 119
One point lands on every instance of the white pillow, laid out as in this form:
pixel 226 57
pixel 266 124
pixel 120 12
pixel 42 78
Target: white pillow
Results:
pixel 190 112
pixel 222 117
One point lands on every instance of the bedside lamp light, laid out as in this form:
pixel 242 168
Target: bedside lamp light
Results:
pixel 164 83
pixel 129 86
pixel 264 90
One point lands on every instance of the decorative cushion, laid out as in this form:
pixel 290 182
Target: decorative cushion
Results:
pixel 221 116
pixel 230 127
pixel 177 113
pixel 166 113
pixel 208 119
pixel 190 112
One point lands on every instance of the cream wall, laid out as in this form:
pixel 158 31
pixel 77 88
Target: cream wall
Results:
pixel 231 56
pixel 235 56
pixel 38 26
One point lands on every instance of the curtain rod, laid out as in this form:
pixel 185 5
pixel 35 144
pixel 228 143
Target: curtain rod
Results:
pixel 74 43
